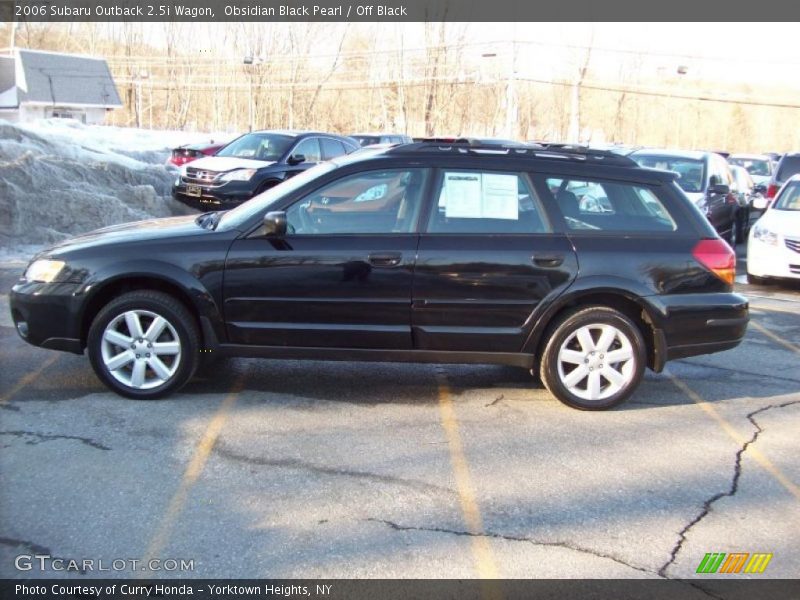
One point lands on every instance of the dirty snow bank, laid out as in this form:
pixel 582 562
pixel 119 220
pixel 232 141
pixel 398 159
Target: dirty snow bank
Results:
pixel 59 178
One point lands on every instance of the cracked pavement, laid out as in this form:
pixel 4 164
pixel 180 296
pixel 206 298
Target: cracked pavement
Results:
pixel 345 469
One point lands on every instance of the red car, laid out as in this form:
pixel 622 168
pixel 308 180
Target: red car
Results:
pixel 189 152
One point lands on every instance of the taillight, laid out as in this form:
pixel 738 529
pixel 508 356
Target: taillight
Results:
pixel 718 257
pixel 772 191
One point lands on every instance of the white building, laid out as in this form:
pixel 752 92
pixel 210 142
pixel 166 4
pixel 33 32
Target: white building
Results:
pixel 36 84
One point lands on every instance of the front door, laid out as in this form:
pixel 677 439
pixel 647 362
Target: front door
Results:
pixel 341 277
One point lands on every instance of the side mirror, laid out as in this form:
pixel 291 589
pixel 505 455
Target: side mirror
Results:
pixel 275 224
pixel 296 159
pixel 719 189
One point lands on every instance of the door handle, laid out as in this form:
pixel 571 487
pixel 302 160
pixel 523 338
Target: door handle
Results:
pixel 388 259
pixel 548 260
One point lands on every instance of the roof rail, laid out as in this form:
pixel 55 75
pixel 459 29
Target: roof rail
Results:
pixel 557 151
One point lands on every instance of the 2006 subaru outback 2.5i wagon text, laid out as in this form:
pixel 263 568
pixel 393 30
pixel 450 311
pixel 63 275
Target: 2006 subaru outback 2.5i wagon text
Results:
pixel 418 253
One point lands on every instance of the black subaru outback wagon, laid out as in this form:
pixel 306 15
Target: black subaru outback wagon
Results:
pixel 576 264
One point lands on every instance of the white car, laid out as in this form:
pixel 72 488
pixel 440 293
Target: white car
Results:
pixel 773 248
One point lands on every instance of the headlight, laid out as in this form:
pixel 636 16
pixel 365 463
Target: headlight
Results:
pixel 44 270
pixel 239 175
pixel 183 171
pixel 764 235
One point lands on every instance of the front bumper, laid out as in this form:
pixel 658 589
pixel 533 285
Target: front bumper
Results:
pixel 778 261
pixel 220 197
pixel 48 315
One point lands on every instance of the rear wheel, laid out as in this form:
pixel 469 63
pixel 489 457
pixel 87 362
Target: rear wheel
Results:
pixel 755 280
pixel 144 345
pixel 594 358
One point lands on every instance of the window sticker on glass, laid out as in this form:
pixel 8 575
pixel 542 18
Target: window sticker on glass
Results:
pixel 500 197
pixel 462 195
pixel 480 196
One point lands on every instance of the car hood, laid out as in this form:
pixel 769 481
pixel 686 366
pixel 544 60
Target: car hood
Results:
pixel 784 222
pixel 151 229
pixel 222 164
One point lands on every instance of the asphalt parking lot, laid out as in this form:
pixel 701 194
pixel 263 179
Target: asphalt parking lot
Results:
pixel 291 469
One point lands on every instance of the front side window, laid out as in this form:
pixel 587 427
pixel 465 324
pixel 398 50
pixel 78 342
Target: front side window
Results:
pixel 258 146
pixel 373 202
pixel 332 148
pixel 609 206
pixel 310 150
pixel 486 202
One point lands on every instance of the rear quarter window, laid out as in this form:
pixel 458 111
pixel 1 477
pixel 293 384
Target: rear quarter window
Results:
pixel 604 206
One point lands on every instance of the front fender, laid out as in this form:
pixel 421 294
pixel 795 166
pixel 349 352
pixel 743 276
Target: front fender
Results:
pixel 202 300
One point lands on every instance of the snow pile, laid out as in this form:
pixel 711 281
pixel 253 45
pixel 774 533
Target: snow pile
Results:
pixel 59 178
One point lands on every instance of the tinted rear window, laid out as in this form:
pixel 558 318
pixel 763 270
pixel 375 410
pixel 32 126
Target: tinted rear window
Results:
pixel 609 206
pixel 788 167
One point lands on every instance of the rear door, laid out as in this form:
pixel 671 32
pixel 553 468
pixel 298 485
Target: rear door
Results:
pixel 488 256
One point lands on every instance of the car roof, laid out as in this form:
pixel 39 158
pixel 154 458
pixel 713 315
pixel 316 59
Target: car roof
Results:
pixel 568 156
pixel 376 134
pixel 690 154
pixel 295 132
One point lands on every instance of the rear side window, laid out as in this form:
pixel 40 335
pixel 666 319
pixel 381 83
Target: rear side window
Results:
pixel 609 206
pixel 486 202
pixel 789 165
pixel 331 148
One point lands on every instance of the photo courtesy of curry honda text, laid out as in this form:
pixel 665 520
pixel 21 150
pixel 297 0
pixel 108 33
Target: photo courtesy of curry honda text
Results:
pixel 423 252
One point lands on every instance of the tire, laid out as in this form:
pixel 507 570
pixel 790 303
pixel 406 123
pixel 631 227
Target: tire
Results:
pixel 140 371
pixel 569 351
pixel 755 280
pixel 732 238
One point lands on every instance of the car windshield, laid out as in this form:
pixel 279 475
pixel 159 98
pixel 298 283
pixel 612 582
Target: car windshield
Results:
pixel 789 198
pixel 236 218
pixel 691 171
pixel 258 146
pixel 754 166
pixel 789 165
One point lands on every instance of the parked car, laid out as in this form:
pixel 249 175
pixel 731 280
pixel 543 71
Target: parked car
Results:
pixel 417 253
pixel 773 249
pixel 253 163
pixel 706 179
pixel 760 166
pixel 744 188
pixel 188 152
pixel 370 139
pixel 787 166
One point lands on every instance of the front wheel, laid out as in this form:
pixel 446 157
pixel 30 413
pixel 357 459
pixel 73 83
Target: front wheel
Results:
pixel 594 358
pixel 144 345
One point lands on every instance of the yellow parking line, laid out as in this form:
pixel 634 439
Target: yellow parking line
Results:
pixel 738 437
pixel 775 337
pixel 481 549
pixel 193 471
pixel 28 379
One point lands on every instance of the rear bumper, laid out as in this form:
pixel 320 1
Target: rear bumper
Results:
pixel 695 324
